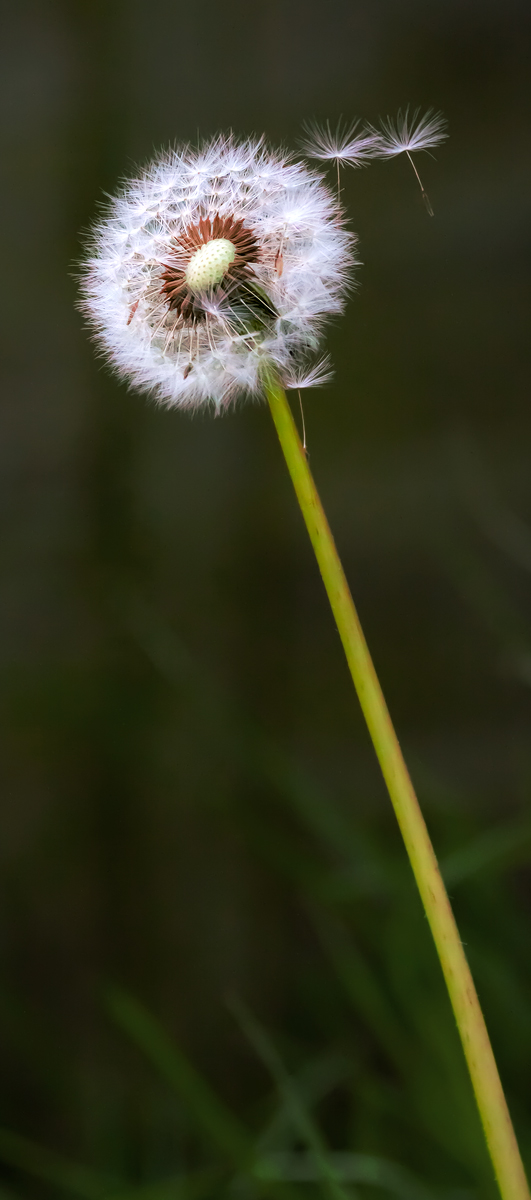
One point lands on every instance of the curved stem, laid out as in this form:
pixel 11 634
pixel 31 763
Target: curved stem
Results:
pixel 490 1099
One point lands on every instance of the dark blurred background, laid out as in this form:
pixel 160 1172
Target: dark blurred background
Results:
pixel 191 808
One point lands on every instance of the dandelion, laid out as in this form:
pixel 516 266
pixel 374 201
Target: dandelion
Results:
pixel 209 277
pixel 408 135
pixel 215 265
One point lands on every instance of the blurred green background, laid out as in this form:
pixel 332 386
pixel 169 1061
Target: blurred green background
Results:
pixel 192 818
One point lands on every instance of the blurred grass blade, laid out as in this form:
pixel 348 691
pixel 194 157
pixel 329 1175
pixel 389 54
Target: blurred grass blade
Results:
pixel 503 527
pixel 53 1168
pixel 258 751
pixel 80 1181
pixel 209 1112
pixel 315 1081
pixel 435 1087
pixel 363 989
pixel 351 1168
pixel 493 848
pixel 302 1121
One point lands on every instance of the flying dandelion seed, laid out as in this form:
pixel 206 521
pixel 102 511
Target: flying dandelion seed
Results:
pixel 213 265
pixel 311 376
pixel 409 135
pixel 341 146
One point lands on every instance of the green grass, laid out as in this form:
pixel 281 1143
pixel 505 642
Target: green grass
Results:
pixel 358 1086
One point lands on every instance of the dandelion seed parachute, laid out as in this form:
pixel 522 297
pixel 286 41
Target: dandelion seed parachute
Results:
pixel 215 264
pixel 408 134
pixel 342 145
pixel 314 375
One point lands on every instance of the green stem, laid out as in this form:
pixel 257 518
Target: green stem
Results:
pixel 490 1099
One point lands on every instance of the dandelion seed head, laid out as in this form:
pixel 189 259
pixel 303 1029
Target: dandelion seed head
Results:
pixel 212 264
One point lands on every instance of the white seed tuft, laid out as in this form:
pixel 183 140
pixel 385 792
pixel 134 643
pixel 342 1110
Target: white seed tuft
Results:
pixel 310 376
pixel 342 145
pixel 409 134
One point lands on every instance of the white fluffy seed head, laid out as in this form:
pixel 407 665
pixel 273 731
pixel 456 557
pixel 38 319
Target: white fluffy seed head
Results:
pixel 229 333
pixel 209 264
